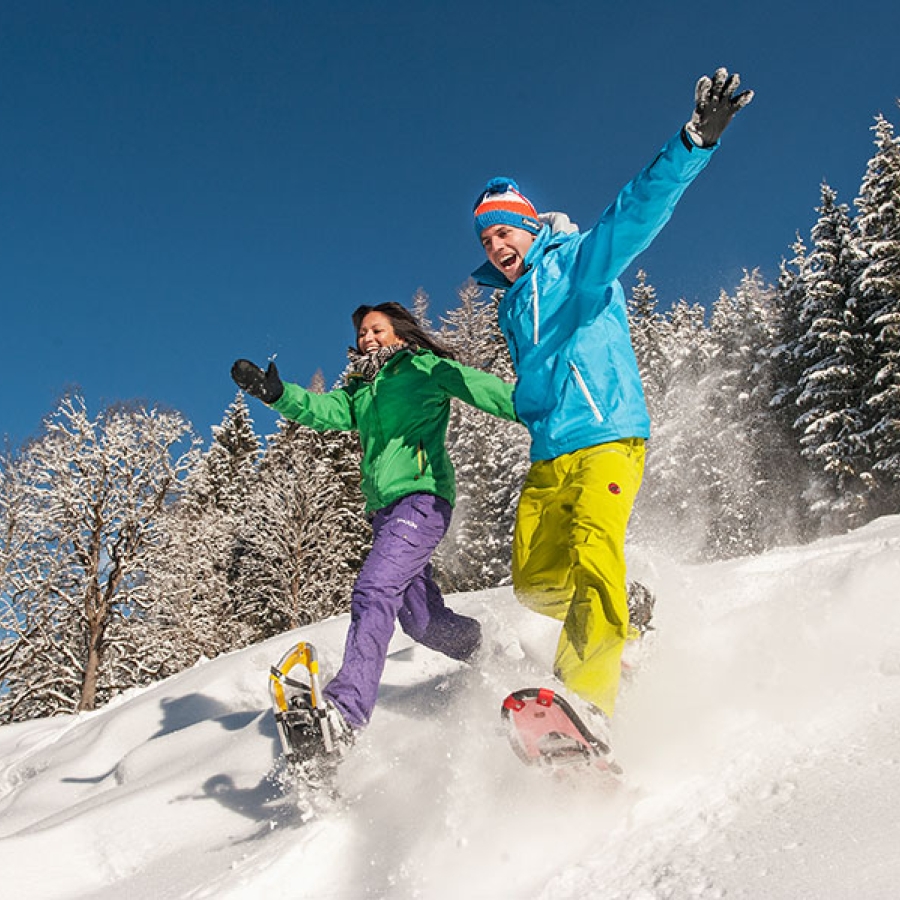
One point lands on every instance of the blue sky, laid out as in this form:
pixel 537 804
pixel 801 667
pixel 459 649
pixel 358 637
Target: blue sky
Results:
pixel 183 183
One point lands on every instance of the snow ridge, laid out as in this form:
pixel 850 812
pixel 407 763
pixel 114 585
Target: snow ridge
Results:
pixel 758 735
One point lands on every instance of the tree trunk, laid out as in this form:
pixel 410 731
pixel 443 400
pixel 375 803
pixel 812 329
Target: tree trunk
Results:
pixel 88 698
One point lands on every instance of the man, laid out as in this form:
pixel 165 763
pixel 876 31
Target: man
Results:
pixel 563 313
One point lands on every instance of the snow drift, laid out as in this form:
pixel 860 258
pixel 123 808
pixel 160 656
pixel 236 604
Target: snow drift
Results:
pixel 759 737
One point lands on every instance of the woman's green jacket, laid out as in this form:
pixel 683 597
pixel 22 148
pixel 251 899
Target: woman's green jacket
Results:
pixel 402 418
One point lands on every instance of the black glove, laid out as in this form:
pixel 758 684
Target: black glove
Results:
pixel 248 376
pixel 715 103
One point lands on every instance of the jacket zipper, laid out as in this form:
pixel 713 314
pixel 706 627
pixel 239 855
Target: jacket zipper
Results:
pixel 587 394
pixel 381 441
pixel 534 295
pixel 420 455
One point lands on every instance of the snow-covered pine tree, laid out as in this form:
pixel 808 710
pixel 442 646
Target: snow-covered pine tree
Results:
pixel 670 512
pixel 781 371
pixel 317 382
pixel 420 304
pixel 195 613
pixel 647 337
pixel 741 328
pixel 339 507
pixel 472 332
pixel 230 462
pixel 88 497
pixel 836 353
pixel 784 355
pixel 878 289
pixel 490 456
pixel 304 532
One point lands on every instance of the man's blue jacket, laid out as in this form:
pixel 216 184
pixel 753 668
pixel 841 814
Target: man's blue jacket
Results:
pixel 565 318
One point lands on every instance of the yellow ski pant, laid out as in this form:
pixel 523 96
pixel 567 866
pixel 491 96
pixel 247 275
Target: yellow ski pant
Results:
pixel 569 559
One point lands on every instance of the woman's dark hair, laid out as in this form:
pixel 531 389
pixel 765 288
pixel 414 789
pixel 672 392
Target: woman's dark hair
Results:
pixel 406 327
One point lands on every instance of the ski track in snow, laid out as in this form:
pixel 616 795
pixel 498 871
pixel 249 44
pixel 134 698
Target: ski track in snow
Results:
pixel 759 737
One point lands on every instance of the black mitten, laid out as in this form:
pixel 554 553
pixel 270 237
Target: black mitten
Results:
pixel 715 103
pixel 248 376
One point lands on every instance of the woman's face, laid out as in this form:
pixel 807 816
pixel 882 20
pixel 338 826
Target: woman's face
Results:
pixel 376 331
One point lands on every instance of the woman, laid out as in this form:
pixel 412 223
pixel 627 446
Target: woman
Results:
pixel 397 396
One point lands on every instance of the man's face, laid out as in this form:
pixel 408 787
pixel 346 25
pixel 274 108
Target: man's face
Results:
pixel 506 247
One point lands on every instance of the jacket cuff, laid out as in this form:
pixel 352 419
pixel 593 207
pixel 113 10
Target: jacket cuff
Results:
pixel 691 144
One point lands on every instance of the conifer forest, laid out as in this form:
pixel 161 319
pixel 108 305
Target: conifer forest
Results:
pixel 129 549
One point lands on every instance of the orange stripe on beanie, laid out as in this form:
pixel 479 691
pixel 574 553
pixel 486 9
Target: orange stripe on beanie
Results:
pixel 500 203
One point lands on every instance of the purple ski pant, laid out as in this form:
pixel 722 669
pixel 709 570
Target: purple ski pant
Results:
pixel 396 584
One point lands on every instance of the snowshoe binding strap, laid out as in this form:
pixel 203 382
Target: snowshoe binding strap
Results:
pixel 299 708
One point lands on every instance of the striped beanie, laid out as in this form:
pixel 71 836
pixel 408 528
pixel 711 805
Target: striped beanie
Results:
pixel 500 203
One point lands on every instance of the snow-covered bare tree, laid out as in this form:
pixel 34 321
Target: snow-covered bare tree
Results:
pixel 84 505
pixel 20 622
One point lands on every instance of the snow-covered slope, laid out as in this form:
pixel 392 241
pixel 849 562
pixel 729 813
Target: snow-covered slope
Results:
pixel 760 739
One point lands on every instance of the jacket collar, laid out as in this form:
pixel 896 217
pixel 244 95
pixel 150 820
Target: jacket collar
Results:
pixel 367 367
